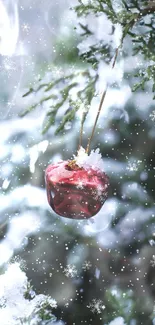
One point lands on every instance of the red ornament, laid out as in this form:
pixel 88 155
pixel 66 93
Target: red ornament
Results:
pixel 74 192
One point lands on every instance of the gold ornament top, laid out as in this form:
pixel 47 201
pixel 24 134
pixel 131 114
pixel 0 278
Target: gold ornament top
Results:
pixel 73 165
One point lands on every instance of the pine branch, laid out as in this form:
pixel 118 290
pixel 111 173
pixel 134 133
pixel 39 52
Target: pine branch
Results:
pixel 130 18
pixel 149 9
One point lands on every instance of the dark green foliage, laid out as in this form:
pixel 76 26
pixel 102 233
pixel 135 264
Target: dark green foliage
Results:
pixel 118 305
pixel 65 52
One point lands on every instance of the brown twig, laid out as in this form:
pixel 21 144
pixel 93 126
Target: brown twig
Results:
pixel 97 116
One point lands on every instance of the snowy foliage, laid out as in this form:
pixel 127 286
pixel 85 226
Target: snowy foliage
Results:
pixel 104 25
pixel 15 307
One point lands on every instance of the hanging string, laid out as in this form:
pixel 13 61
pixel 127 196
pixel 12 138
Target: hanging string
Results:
pixel 101 103
pixel 81 130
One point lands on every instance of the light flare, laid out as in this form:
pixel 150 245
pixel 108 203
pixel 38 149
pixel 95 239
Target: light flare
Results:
pixel 9 27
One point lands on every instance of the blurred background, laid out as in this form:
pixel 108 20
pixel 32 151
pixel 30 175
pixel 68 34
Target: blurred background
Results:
pixel 100 271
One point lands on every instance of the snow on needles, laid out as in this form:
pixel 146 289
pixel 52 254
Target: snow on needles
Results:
pixel 15 309
pixel 93 160
pixel 117 321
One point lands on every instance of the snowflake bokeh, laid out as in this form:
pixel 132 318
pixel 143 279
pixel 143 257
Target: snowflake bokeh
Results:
pixel 86 265
pixel 96 306
pixel 80 184
pixel 70 271
pixel 9 65
pixel 133 165
pixel 25 28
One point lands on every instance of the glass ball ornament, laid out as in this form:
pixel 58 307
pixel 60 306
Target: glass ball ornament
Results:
pixel 75 192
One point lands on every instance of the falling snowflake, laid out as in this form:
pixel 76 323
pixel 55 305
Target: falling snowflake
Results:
pixel 10 104
pixel 57 71
pixel 70 271
pixel 133 165
pixel 96 306
pixel 152 262
pixel 26 28
pixel 80 184
pixel 9 65
pixel 152 116
pixel 100 193
pixel 86 265
pixel 100 189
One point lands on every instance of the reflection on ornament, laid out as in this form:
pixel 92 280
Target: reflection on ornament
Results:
pixel 75 192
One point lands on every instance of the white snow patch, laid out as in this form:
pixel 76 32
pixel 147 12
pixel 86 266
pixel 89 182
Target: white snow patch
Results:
pixel 94 160
pixel 34 153
pixel 117 321
pixel 14 308
pixel 19 228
